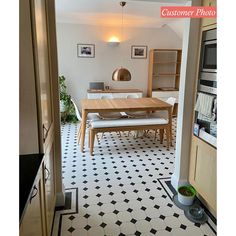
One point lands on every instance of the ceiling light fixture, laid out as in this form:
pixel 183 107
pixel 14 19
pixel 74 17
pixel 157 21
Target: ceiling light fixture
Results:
pixel 121 74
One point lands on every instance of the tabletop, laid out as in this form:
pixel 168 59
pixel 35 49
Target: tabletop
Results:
pixel 123 104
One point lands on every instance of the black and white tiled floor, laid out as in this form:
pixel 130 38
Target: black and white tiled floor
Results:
pixel 121 190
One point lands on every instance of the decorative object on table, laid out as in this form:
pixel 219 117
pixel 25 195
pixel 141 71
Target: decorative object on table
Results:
pixel 138 52
pixel 186 195
pixel 196 129
pixel 121 74
pixel 107 87
pixel 66 107
pixel 86 50
pixel 98 86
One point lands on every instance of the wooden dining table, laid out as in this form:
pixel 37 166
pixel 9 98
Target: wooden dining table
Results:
pixel 121 105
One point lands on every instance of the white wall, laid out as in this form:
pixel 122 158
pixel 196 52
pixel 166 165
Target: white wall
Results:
pixel 80 71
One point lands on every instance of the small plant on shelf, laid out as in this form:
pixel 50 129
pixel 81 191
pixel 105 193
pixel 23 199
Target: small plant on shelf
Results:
pixel 66 106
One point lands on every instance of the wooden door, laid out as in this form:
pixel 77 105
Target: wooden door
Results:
pixel 33 222
pixel 42 65
pixel 202 172
pixel 49 183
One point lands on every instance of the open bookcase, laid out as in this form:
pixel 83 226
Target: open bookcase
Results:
pixel 164 74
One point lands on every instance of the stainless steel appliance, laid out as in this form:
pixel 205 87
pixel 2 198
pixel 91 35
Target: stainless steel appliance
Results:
pixel 208 64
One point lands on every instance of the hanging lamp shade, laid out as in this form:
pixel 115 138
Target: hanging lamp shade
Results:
pixel 121 74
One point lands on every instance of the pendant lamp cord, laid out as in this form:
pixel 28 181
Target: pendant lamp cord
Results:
pixel 122 28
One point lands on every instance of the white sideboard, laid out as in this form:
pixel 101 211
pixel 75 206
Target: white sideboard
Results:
pixel 114 93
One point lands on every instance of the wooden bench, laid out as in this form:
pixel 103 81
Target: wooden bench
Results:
pixel 129 124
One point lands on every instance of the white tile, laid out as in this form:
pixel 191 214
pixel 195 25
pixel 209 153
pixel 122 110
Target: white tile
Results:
pixel 95 231
pixel 143 226
pixel 172 222
pixel 127 228
pixel 110 218
pixel 107 207
pixel 138 215
pixel 94 220
pixel 124 216
pixel 112 230
pixel 158 224
pixel 121 206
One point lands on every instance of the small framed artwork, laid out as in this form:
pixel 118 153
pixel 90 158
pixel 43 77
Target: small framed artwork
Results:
pixel 86 50
pixel 138 52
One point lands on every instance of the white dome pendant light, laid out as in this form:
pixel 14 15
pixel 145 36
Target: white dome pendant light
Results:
pixel 121 74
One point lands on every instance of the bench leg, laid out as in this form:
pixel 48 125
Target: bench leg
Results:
pixel 161 135
pixel 92 136
pixel 155 135
pixel 168 138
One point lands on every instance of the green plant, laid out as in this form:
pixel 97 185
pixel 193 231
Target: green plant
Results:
pixel 68 115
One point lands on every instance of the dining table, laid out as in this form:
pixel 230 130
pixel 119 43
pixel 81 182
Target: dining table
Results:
pixel 121 105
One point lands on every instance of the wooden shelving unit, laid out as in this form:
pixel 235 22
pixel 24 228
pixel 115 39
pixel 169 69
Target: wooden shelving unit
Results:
pixel 164 74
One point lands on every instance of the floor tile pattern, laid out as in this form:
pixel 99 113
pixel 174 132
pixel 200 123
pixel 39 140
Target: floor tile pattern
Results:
pixel 119 192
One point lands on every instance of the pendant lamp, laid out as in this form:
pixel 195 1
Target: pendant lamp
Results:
pixel 121 74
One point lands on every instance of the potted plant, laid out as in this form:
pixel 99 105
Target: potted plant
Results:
pixel 66 107
pixel 186 195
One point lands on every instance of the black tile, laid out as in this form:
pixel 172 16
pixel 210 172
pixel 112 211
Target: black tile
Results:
pixel 168 229
pixel 153 231
pixel 86 215
pixel 133 221
pixel 103 225
pixel 183 226
pixel 115 212
pixel 137 233
pixel 87 227
pixel 101 213
pixel 71 229
pixel 71 218
pixel 118 222
pixel 129 210
pixel 176 215
pixel 148 219
pixel 162 217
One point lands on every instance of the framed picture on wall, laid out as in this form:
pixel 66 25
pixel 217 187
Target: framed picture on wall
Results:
pixel 138 52
pixel 86 50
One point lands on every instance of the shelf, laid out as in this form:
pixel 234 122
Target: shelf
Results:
pixel 165 89
pixel 167 62
pixel 166 74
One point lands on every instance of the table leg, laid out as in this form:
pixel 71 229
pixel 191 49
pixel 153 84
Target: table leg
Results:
pixel 83 129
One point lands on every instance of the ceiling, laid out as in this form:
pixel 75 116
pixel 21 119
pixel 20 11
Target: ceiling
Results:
pixel 137 13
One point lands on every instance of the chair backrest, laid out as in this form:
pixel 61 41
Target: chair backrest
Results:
pixel 107 96
pixel 171 101
pixel 132 96
pixel 77 112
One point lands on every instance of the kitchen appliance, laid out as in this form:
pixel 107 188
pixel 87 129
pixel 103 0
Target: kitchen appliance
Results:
pixel 208 63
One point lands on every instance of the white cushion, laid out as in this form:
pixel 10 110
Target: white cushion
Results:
pixel 127 122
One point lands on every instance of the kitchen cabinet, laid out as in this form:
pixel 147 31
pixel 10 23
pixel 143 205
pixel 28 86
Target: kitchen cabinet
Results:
pixel 36 122
pixel 208 21
pixel 43 79
pixel 49 185
pixel 202 171
pixel 33 222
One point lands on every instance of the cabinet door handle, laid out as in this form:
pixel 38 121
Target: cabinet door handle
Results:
pixel 34 193
pixel 46 175
pixel 45 133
